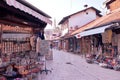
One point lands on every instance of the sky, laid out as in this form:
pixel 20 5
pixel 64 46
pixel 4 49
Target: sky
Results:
pixel 58 9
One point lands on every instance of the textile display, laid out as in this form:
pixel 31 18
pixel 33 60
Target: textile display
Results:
pixel 94 41
pixel 38 45
pixel 32 42
pixel 114 39
pixel 119 43
pixel 107 36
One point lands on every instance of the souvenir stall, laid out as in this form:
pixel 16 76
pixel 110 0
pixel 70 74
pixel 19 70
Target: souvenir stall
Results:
pixel 85 45
pixel 18 57
pixel 96 43
pixel 116 40
pixel 107 42
pixel 16 50
pixel 110 49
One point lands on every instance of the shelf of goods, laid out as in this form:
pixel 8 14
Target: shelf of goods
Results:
pixel 28 64
pixel 15 45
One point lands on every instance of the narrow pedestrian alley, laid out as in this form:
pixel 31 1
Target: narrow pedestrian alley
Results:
pixel 67 66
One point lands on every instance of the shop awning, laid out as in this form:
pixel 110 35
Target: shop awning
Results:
pixel 28 10
pixel 92 31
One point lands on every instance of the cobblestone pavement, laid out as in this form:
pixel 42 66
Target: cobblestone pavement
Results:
pixel 67 66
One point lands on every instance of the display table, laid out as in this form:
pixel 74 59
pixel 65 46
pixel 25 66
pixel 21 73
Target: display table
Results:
pixel 28 69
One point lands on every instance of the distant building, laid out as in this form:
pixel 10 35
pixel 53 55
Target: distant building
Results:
pixel 73 22
pixel 78 19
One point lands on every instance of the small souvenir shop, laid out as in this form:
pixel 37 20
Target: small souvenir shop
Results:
pixel 19 20
pixel 105 42
pixel 85 45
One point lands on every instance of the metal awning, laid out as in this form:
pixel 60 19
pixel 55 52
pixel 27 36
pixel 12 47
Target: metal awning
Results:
pixel 28 10
pixel 92 31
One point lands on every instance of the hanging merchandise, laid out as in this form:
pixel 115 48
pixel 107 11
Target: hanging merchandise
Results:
pixel 99 40
pixel 107 36
pixel 38 45
pixel 0 61
pixel 104 37
pixel 33 41
pixel 41 35
pixel 118 43
pixel 109 32
pixel 114 39
pixel 94 41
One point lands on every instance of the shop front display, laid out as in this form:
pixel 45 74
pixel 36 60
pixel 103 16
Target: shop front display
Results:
pixel 111 43
pixel 86 45
pixel 16 28
pixel 119 43
pixel 17 50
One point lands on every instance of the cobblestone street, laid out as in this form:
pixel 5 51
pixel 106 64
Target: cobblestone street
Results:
pixel 67 66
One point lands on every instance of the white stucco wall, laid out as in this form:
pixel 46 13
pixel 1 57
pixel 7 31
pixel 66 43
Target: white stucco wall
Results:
pixel 64 28
pixel 82 18
pixel 65 31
